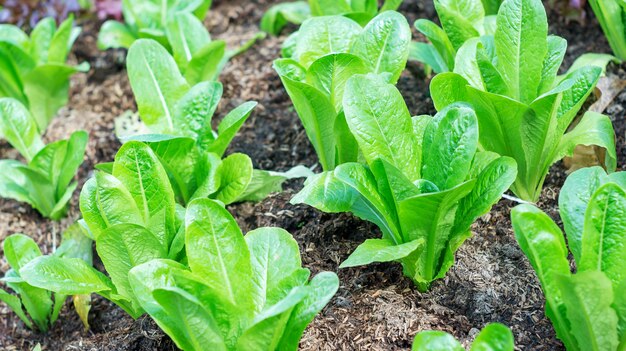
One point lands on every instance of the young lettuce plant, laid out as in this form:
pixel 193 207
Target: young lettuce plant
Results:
pixel 45 181
pixel 493 337
pixel 612 17
pixel 33 69
pixel 179 117
pixel 587 308
pixel 362 11
pixel 460 22
pixel 35 306
pixel 149 19
pixel 237 293
pixel 424 184
pixel 133 218
pixel 524 109
pixel 330 50
pixel 183 34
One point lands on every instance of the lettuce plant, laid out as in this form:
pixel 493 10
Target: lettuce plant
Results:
pixel 35 306
pixel 233 293
pixel 237 293
pixel 45 181
pixel 493 337
pixel 587 308
pixel 524 109
pixel 178 117
pixel 330 50
pixel 33 69
pixel 612 17
pixel 362 11
pixel 424 184
pixel 460 21
pixel 151 19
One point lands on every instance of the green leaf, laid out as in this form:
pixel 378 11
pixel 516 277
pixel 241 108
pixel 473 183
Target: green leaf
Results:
pixel 542 242
pixel 320 290
pixel 384 44
pixel 330 73
pixel 459 19
pixel 440 42
pixel 229 126
pixel 588 297
pixel 199 332
pixel 604 234
pixel 207 63
pixel 73 158
pixel 19 250
pixel 521 46
pixel 40 39
pixel 349 188
pixel 610 14
pixel 491 183
pixel 235 173
pixel 275 19
pixel 76 244
pixel 15 305
pixel 455 140
pixel 315 110
pixel 557 47
pixel 428 55
pixel 105 201
pixel 574 198
pixel 115 35
pixel 194 111
pixel 156 83
pixel 319 36
pixel 381 124
pixel 274 257
pixel 19 128
pixel 138 168
pixel 47 89
pixel 494 337
pixel 435 341
pixel 61 42
pixel 380 250
pixel 593 129
pixel 149 277
pixel 66 276
pixel 217 251
pixel 124 246
pixel 187 35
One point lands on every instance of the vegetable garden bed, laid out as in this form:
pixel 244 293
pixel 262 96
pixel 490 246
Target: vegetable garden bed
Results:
pixel 376 307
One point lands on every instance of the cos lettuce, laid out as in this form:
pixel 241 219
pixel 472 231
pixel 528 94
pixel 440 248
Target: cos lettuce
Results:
pixel 494 337
pixel 33 69
pixel 612 17
pixel 524 109
pixel 329 50
pixel 46 180
pixel 424 184
pixel 587 308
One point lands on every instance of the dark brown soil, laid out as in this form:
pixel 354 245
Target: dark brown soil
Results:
pixel 376 308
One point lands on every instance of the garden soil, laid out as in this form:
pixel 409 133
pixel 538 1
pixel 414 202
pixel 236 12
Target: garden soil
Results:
pixel 376 307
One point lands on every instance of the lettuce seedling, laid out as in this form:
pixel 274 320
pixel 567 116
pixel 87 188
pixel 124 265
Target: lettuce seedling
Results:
pixel 493 337
pixel 612 17
pixel 424 184
pixel 238 293
pixel 180 30
pixel 587 308
pixel 524 109
pixel 362 11
pixel 460 21
pixel 133 218
pixel 179 117
pixel 34 305
pixel 33 69
pixel 150 20
pixel 330 50
pixel 45 181
pixel 244 293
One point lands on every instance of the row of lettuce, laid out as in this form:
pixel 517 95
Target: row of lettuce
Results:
pixel 157 217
